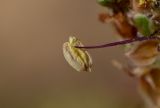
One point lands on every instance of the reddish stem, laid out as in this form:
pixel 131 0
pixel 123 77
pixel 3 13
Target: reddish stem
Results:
pixel 123 42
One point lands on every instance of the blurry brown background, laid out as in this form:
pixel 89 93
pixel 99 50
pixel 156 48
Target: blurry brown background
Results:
pixel 33 72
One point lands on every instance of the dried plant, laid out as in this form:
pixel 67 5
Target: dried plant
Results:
pixel 138 24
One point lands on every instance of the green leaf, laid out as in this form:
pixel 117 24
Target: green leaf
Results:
pixel 105 2
pixel 144 25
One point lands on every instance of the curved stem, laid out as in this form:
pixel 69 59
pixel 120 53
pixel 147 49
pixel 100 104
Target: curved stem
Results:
pixel 123 42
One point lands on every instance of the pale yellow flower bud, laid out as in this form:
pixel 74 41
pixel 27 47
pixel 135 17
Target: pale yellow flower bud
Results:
pixel 78 58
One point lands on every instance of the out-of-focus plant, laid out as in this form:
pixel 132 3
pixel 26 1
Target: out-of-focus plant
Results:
pixel 138 24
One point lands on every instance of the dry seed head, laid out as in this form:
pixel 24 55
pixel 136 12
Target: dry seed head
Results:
pixel 79 59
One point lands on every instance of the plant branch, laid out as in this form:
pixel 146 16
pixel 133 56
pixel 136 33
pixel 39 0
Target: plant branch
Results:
pixel 123 42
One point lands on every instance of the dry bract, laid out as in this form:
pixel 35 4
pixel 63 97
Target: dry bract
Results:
pixel 121 23
pixel 124 28
pixel 150 87
pixel 144 53
pixel 78 58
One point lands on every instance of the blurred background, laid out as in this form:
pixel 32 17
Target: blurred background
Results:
pixel 33 71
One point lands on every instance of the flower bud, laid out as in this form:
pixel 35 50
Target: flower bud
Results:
pixel 144 25
pixel 78 58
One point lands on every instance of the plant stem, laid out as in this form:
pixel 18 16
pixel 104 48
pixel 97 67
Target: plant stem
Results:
pixel 123 42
